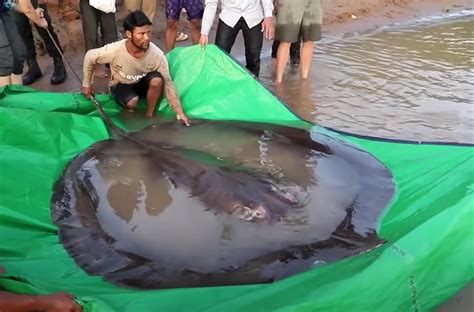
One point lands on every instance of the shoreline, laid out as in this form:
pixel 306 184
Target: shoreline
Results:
pixel 341 17
pixel 348 16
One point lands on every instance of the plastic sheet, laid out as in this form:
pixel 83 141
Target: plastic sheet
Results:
pixel 428 226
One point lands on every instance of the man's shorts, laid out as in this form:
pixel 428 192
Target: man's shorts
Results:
pixel 123 93
pixel 299 17
pixel 194 9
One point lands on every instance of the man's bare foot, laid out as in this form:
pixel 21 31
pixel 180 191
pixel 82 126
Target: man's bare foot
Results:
pixel 100 71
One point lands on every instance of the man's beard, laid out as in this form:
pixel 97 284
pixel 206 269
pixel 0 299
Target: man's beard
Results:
pixel 140 47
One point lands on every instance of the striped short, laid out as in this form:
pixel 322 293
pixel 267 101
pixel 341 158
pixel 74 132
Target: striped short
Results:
pixel 299 17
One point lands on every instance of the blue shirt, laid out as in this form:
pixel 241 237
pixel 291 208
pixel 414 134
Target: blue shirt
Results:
pixel 7 5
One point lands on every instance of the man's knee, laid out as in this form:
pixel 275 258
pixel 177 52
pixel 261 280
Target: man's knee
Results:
pixel 172 24
pixel 196 23
pixel 155 83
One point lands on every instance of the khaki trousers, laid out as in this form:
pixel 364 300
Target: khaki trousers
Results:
pixel 147 6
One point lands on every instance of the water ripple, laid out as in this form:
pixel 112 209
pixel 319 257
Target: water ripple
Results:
pixel 410 82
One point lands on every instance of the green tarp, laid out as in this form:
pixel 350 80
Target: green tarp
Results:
pixel 428 226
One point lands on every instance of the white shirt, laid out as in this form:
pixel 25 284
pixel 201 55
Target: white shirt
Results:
pixel 253 12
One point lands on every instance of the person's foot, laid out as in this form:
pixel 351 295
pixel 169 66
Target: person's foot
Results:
pixel 2 270
pixel 180 36
pixel 100 71
pixel 59 71
pixel 34 73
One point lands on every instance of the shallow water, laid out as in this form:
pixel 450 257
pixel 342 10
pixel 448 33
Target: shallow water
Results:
pixel 408 82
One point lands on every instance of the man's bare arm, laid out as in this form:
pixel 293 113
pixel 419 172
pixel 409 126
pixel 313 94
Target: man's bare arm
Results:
pixel 12 302
pixel 25 7
pixel 170 92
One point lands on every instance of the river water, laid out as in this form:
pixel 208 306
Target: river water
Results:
pixel 411 81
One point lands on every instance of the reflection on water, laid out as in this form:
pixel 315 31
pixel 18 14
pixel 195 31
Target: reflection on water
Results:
pixel 176 206
pixel 406 82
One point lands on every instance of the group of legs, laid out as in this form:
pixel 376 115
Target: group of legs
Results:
pixel 17 39
pixel 194 10
pixel 298 26
pixel 93 20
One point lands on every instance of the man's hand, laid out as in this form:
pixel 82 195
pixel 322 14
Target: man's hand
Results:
pixel 203 41
pixel 41 21
pixel 42 2
pixel 181 116
pixel 40 12
pixel 59 302
pixel 86 91
pixel 267 27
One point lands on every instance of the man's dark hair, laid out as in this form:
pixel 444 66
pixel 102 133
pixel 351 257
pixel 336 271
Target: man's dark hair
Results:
pixel 135 19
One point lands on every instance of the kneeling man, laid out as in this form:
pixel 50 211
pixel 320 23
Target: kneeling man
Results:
pixel 138 68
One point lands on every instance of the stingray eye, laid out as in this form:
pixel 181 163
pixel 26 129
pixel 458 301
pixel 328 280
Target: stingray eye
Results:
pixel 259 214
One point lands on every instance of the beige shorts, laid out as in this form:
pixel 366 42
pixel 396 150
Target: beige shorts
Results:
pixel 299 18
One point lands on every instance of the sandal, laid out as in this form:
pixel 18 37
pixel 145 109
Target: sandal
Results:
pixel 181 36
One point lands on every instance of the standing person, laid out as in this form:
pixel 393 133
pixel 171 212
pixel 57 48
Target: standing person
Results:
pixel 147 6
pixel 92 19
pixel 24 27
pixel 9 38
pixel 294 48
pixel 295 17
pixel 16 45
pixel 194 10
pixel 139 68
pixel 253 17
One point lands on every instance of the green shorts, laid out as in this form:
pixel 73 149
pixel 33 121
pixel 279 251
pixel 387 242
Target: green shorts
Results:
pixel 299 17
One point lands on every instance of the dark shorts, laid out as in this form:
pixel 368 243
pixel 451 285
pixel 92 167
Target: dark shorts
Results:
pixel 194 9
pixel 123 93
pixel 6 56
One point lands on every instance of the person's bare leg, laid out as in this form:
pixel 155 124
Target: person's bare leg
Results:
pixel 153 95
pixel 281 60
pixel 306 57
pixel 132 104
pixel 5 80
pixel 171 28
pixel 195 26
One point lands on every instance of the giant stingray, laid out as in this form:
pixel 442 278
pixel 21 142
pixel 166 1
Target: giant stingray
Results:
pixel 217 203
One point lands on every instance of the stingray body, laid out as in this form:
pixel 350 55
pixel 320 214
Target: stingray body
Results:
pixel 218 203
